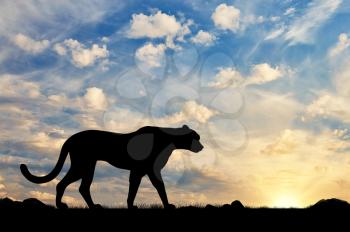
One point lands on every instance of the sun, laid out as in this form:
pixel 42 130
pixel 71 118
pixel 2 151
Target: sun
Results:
pixel 286 201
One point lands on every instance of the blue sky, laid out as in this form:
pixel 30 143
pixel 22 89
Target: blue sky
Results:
pixel 265 83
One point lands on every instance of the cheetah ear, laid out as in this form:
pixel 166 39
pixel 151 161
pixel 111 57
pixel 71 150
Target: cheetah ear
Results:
pixel 185 127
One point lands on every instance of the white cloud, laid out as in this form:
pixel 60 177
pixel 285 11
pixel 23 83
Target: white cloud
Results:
pixel 197 111
pixel 251 19
pixel 333 104
pixel 227 77
pixel 15 120
pixel 330 106
pixel 259 74
pixel 299 142
pixel 317 13
pixel 29 45
pixel 159 25
pixel 60 49
pixel 154 26
pixel 341 133
pixel 204 38
pixel 124 120
pixel 87 57
pixel 184 30
pixel 95 99
pixel 258 120
pixel 42 140
pixel 150 55
pixel 115 120
pixel 275 18
pixel 260 19
pixel 49 197
pixel 16 86
pixel 341 79
pixel 276 33
pixel 33 16
pixel 80 55
pixel 3 192
pixel 190 110
pixel 289 11
pixel 285 143
pixel 105 39
pixel 343 43
pixel 263 73
pixel 226 17
pixel 90 106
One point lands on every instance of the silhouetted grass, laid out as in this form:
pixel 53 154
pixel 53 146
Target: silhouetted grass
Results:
pixel 331 213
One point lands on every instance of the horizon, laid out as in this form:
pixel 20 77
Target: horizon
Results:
pixel 264 83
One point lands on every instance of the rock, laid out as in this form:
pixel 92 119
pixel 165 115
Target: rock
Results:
pixel 209 206
pixel 237 205
pixel 34 203
pixel 6 203
pixel 332 203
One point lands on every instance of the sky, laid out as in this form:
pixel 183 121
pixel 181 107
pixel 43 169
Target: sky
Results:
pixel 265 83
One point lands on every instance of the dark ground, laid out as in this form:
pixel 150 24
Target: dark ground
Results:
pixel 331 214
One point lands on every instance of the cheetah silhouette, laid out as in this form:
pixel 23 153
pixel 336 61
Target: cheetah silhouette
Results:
pixel 143 152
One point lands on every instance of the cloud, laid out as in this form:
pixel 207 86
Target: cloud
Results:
pixel 333 104
pixel 275 18
pixel 3 192
pixel 202 179
pixel 263 73
pixel 86 109
pixel 105 39
pixel 341 133
pixel 197 111
pixel 38 16
pixel 151 55
pixel 259 74
pixel 303 28
pixel 297 141
pixel 250 19
pixel 43 141
pixel 190 110
pixel 14 120
pixel 289 11
pixel 184 30
pixel 203 38
pixel 328 105
pixel 341 80
pixel 226 17
pixel 158 25
pixel 275 33
pixel 13 86
pixel 29 45
pixel 50 198
pixel 60 49
pixel 226 77
pixel 257 119
pixel 95 99
pixel 285 143
pixel 125 120
pixel 343 43
pixel 154 26
pixel 80 55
